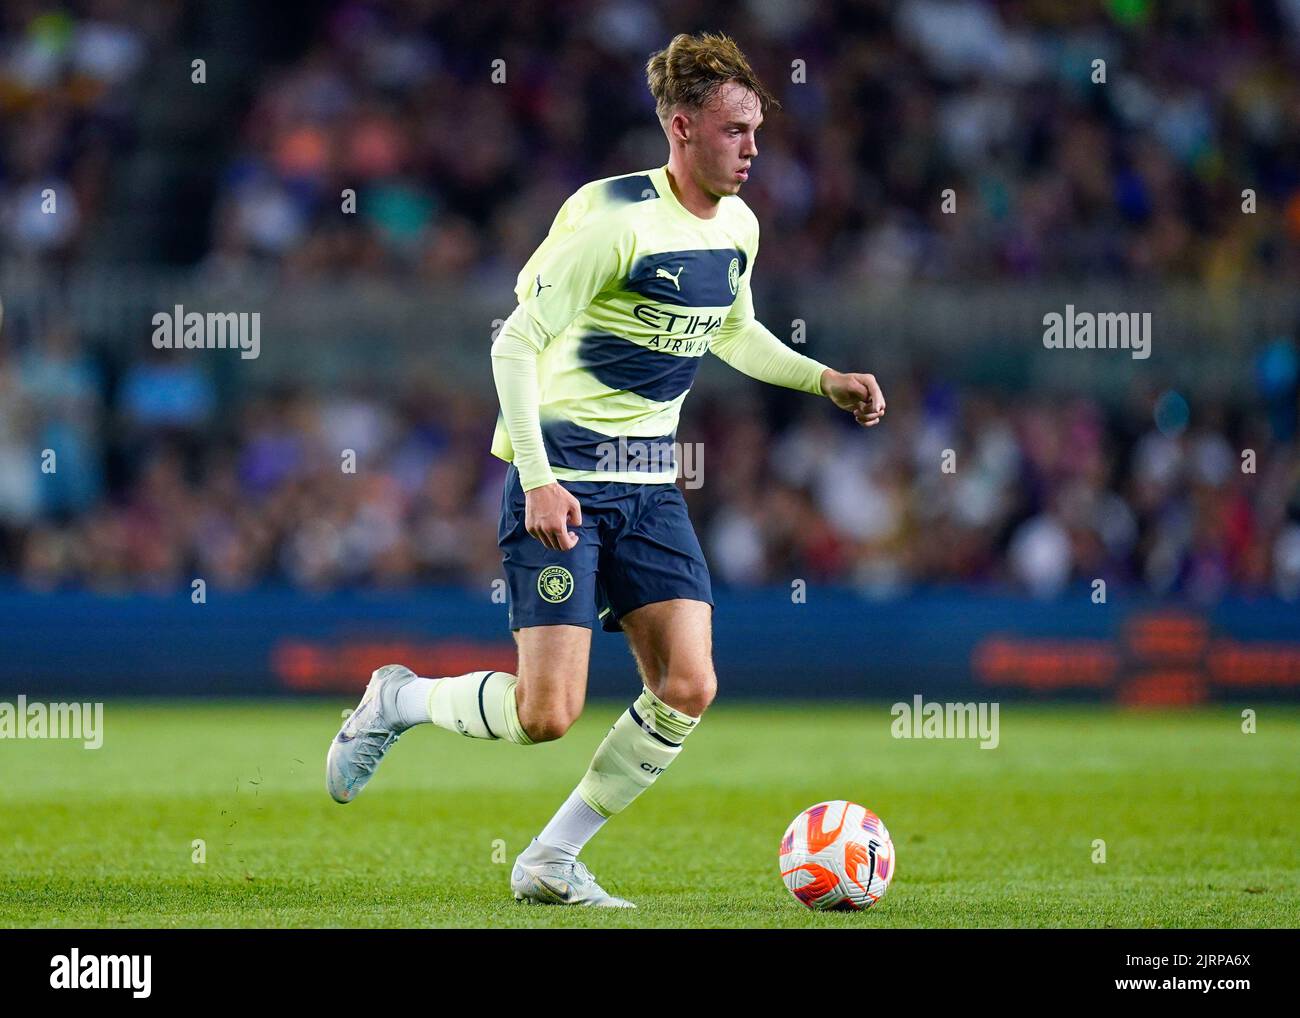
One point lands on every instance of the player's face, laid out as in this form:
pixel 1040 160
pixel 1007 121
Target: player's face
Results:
pixel 724 141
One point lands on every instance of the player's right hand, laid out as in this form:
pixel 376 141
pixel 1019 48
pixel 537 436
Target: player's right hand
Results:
pixel 548 511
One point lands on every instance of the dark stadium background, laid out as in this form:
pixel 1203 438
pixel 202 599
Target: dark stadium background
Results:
pixel 1071 465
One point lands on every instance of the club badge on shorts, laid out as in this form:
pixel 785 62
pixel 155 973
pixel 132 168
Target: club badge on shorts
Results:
pixel 555 584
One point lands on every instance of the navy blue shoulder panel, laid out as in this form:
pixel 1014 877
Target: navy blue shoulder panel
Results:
pixel 638 187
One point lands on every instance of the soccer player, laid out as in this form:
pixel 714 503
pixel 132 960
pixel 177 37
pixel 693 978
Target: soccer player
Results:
pixel 639 277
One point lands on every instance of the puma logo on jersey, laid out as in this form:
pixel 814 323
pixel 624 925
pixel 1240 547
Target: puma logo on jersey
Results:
pixel 665 274
pixel 541 286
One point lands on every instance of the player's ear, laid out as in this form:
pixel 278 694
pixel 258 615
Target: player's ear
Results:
pixel 680 126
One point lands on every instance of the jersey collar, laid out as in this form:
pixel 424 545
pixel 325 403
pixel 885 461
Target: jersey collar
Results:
pixel 665 189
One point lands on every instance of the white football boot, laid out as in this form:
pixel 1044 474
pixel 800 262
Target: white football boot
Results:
pixel 560 883
pixel 367 734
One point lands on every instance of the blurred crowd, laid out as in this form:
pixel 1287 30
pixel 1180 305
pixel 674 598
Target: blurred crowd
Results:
pixel 154 486
pixel 1053 174
pixel 69 75
pixel 462 127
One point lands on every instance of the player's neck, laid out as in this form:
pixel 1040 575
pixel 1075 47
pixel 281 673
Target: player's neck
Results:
pixel 693 198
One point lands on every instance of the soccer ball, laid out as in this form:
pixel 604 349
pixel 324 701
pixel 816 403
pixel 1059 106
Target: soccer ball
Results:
pixel 837 855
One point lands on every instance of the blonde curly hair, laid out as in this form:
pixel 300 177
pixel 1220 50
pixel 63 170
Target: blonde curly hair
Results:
pixel 691 68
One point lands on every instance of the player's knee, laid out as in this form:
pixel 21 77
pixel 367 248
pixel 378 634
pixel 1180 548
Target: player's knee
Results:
pixel 691 691
pixel 547 721
pixel 547 727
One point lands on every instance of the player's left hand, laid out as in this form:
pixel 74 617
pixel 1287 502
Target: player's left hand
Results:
pixel 856 392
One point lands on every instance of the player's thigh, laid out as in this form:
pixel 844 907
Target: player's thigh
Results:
pixel 546 586
pixel 672 642
pixel 551 604
pixel 552 673
pixel 655 557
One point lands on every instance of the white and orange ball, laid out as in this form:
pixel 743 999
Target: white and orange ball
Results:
pixel 837 855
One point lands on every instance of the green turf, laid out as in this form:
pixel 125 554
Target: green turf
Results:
pixel 1199 820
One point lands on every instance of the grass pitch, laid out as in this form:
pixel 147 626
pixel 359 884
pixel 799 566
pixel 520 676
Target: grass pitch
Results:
pixel 1199 821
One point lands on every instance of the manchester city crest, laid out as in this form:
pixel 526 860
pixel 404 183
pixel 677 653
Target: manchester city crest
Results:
pixel 555 584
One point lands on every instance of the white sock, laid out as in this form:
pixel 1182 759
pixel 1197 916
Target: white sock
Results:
pixel 413 702
pixel 574 824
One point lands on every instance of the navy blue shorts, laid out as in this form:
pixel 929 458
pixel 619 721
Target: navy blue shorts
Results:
pixel 636 546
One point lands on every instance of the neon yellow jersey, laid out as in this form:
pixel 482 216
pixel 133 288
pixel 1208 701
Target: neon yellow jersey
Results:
pixel 619 303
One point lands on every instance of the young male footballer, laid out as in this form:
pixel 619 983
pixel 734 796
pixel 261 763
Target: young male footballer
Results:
pixel 639 277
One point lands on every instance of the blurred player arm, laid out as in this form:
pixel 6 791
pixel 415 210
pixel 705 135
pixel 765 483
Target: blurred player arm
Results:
pixel 749 347
pixel 562 277
pixel 514 368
